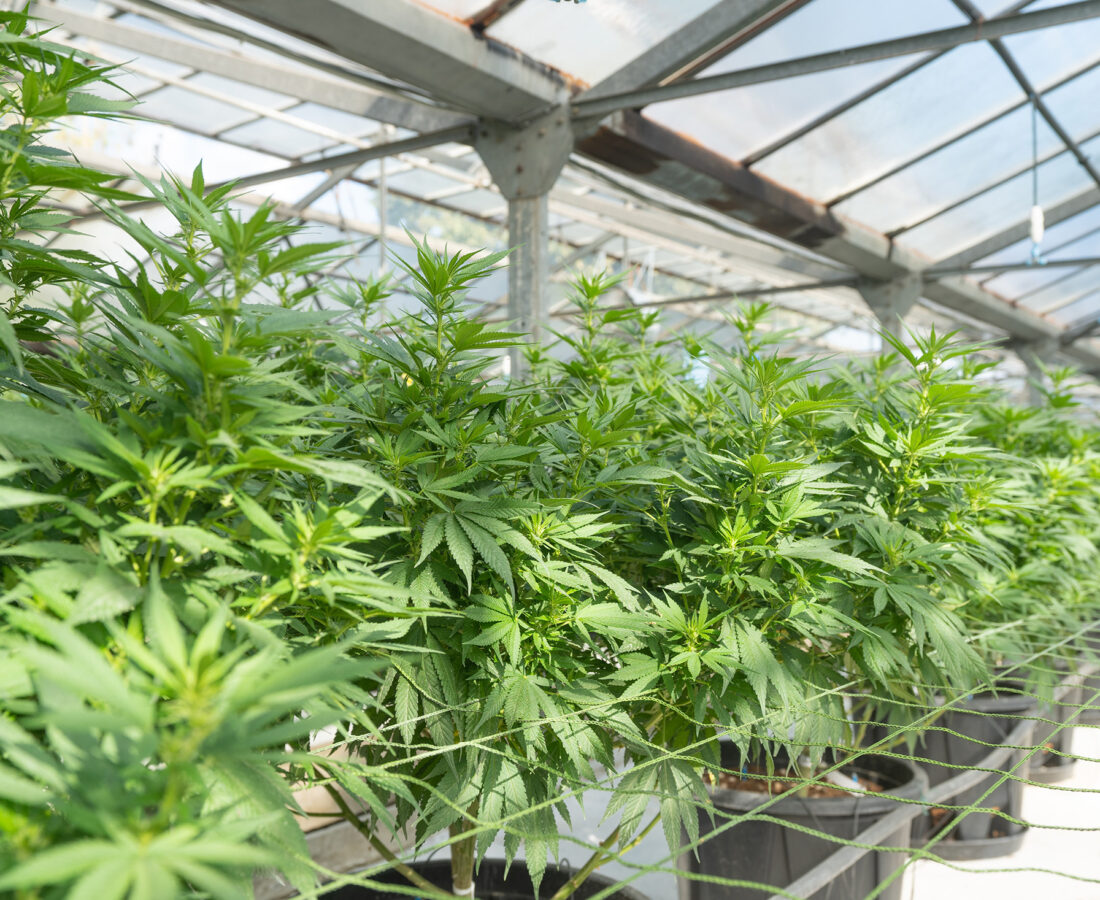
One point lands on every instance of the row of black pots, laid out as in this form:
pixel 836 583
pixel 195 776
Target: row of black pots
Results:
pixel 771 853
pixel 755 850
pixel 963 736
pixel 495 881
pixel 768 852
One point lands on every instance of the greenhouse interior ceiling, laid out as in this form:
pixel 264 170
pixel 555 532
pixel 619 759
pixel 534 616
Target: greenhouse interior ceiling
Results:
pixel 856 163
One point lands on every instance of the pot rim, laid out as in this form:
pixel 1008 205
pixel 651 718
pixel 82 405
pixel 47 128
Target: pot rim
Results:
pixel 863 804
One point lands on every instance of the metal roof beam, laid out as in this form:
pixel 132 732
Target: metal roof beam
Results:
pixel 661 157
pixel 948 271
pixel 412 43
pixel 721 23
pixel 296 82
pixel 822 62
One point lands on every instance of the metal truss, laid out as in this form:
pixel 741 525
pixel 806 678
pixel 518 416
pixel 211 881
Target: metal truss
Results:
pixel 713 229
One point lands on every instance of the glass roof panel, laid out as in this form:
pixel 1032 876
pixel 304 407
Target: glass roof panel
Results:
pixel 947 176
pixel 350 200
pixel 131 58
pixel 1060 233
pixel 1061 299
pixel 420 182
pixel 1065 291
pixel 592 41
pixel 739 121
pixel 1014 284
pixel 241 91
pixel 478 202
pixel 1086 306
pixel 1074 104
pixel 735 123
pixel 336 120
pixel 268 135
pixel 1051 53
pixel 128 86
pixel 896 124
pixel 993 210
pixel 824 25
pixel 192 111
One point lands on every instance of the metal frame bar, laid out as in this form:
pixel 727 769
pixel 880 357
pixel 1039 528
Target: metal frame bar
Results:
pixel 949 271
pixel 415 45
pixel 822 62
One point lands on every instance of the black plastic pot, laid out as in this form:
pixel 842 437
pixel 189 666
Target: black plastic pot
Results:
pixel 491 883
pixel 1090 685
pixel 984 722
pixel 1054 763
pixel 770 853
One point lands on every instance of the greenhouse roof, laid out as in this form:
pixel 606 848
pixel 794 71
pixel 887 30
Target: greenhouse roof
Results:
pixel 720 147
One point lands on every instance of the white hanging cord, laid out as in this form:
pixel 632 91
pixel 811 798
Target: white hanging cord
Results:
pixel 1038 221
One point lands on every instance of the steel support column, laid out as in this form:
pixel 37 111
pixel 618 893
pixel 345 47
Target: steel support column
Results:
pixel 1032 354
pixel 525 164
pixel 528 267
pixel 891 301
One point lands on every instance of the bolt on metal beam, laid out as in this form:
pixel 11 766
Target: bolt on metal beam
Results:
pixel 821 62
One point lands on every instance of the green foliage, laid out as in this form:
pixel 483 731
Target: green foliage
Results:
pixel 240 514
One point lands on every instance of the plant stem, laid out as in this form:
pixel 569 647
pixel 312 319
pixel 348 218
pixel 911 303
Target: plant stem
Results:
pixel 596 860
pixel 411 874
pixel 463 853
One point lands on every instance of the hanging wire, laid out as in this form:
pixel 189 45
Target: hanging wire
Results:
pixel 1038 224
